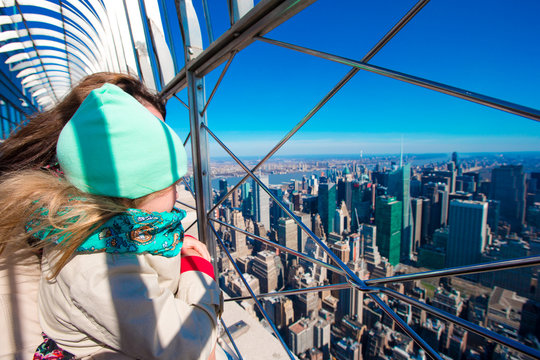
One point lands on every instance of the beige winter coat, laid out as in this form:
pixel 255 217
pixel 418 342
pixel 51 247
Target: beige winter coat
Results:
pixel 20 332
pixel 104 306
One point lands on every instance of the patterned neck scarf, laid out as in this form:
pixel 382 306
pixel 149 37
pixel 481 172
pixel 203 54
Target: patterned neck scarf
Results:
pixel 133 232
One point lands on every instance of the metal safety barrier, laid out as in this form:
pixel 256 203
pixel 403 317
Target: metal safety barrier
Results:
pixel 252 27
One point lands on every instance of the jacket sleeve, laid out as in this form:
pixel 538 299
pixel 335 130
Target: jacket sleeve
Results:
pixel 130 312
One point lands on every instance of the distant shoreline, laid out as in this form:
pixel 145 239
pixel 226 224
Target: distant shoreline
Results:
pixel 370 156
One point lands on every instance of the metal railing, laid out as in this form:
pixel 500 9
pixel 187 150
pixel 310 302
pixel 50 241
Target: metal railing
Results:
pixel 252 27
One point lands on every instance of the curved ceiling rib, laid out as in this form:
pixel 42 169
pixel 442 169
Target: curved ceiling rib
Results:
pixel 50 45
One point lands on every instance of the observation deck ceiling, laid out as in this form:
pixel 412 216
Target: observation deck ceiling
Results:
pixel 51 45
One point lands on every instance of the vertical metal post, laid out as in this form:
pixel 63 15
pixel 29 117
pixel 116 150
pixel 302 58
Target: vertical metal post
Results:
pixel 2 117
pixel 191 33
pixel 201 159
pixel 10 120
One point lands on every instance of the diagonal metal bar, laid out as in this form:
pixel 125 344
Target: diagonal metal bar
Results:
pixel 231 15
pixel 186 205
pixel 281 247
pixel 208 21
pixel 190 226
pixel 188 186
pixel 187 138
pixel 231 338
pixel 348 273
pixel 223 72
pixel 464 323
pixel 406 328
pixel 339 286
pixel 60 2
pixel 380 44
pixel 481 99
pixel 293 131
pixel 462 270
pixel 253 296
pixel 264 17
pixel 395 29
pixel 183 103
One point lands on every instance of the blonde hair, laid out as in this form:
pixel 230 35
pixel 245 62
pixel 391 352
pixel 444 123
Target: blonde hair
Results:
pixel 48 202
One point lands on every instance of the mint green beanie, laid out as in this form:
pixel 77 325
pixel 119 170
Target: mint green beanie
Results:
pixel 114 146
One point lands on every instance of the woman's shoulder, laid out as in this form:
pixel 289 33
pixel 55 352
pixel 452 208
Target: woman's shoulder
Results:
pixel 102 267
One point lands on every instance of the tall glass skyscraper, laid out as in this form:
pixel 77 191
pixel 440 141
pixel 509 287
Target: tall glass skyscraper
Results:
pixel 467 234
pixel 388 218
pixel 360 204
pixel 399 186
pixel 327 205
pixel 508 186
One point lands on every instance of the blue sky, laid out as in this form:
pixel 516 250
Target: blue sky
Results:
pixel 490 47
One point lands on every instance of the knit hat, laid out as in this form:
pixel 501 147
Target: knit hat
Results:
pixel 114 146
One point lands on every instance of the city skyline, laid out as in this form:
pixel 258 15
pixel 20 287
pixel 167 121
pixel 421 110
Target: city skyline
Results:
pixel 383 218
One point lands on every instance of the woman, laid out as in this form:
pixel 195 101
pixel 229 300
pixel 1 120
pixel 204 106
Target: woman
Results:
pixel 33 146
pixel 28 152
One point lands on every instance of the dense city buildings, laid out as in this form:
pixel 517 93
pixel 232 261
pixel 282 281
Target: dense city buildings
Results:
pixel 467 232
pixel 382 219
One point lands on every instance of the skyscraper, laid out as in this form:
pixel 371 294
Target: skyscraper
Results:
pixel 302 235
pixel 351 301
pixel 493 215
pixel 287 233
pixel 300 336
pixel 223 188
pixel 247 200
pixel 327 205
pixel 398 186
pixel 467 233
pixel 276 211
pixel 360 204
pixel 388 218
pixel 238 239
pixel 245 190
pixel 452 169
pixel 307 303
pixel 442 189
pixel 344 191
pixel 425 237
pixel 236 201
pixel 261 202
pixel 342 219
pixel 416 212
pixel 455 158
pixel 264 268
pixel 508 186
pixel 280 310
pixel 436 209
